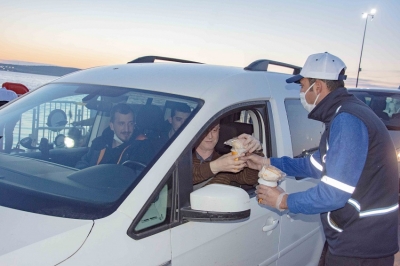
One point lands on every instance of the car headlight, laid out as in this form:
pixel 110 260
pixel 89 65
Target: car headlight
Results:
pixel 398 155
pixel 70 143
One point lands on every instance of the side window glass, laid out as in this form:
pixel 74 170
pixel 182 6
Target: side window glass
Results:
pixel 63 122
pixel 305 133
pixel 231 125
pixel 158 212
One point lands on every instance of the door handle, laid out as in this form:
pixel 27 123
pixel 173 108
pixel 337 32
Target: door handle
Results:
pixel 271 225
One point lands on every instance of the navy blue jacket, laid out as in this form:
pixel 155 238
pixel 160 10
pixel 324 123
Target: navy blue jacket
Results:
pixel 101 151
pixel 358 193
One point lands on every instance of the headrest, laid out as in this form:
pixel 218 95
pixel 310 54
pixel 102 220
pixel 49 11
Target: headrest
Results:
pixel 378 104
pixel 150 117
pixel 231 130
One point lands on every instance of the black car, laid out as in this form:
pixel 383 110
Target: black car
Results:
pixel 386 105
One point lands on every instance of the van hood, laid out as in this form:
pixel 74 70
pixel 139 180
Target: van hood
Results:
pixel 35 239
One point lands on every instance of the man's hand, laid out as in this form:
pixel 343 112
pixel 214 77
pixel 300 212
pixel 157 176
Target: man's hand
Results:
pixel 272 196
pixel 250 143
pixel 255 161
pixel 227 163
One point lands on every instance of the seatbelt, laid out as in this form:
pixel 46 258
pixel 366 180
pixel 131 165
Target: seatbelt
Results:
pixel 103 151
pixel 122 153
pixel 101 156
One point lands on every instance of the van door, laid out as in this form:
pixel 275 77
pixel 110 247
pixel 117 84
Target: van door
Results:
pixel 300 231
pixel 150 238
pixel 250 242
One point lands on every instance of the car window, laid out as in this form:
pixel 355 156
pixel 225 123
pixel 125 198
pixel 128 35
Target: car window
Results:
pixel 158 212
pixel 232 124
pixel 60 133
pixel 305 133
pixel 386 105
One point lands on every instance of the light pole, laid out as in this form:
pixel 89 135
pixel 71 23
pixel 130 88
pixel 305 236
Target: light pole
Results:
pixel 364 15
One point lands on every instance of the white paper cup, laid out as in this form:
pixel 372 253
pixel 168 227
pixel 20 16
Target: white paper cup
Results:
pixel 262 181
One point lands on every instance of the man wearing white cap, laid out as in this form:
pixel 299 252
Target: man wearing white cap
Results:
pixel 356 162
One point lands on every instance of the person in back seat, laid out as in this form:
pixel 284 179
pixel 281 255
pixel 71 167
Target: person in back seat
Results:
pixel 179 113
pixel 210 167
pixel 110 147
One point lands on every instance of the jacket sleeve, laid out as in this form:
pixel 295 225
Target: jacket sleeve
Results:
pixel 85 160
pixel 90 158
pixel 246 177
pixel 201 171
pixel 345 160
pixel 309 166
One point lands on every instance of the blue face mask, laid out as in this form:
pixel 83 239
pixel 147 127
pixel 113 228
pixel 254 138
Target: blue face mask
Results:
pixel 309 107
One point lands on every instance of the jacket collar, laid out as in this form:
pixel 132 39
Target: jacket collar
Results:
pixel 326 109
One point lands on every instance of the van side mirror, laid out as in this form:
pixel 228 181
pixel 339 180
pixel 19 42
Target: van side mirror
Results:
pixel 217 202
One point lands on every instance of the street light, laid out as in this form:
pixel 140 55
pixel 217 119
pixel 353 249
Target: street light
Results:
pixel 364 15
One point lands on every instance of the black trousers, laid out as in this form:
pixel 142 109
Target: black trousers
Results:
pixel 332 260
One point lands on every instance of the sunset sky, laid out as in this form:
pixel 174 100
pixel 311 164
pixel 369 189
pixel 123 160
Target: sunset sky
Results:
pixel 98 32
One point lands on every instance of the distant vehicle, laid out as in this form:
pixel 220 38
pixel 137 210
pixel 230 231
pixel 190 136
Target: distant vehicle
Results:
pixel 137 213
pixel 18 88
pixel 386 105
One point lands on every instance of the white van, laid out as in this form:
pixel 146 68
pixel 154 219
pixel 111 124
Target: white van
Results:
pixel 145 211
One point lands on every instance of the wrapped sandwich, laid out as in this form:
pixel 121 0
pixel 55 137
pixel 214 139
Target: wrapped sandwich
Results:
pixel 237 146
pixel 270 175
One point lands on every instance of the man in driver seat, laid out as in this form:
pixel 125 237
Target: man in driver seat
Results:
pixel 111 146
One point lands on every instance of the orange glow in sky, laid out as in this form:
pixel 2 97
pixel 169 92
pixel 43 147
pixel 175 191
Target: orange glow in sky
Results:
pixel 90 33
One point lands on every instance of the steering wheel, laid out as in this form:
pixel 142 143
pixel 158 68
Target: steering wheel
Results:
pixel 134 164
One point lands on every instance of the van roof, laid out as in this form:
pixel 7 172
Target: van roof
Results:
pixel 193 80
pixel 375 90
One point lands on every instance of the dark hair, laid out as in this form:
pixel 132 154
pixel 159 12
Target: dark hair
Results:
pixel 213 124
pixel 121 108
pixel 180 107
pixel 331 84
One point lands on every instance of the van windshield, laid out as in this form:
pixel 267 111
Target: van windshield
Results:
pixel 386 105
pixel 78 150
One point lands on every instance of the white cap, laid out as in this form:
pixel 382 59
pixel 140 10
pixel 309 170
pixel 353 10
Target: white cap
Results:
pixel 321 66
pixel 7 95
